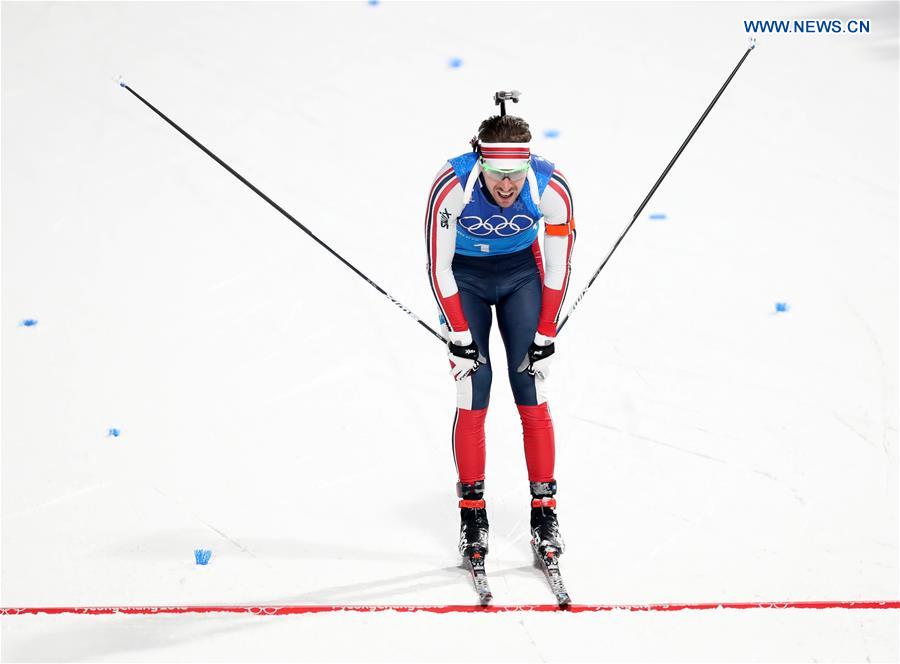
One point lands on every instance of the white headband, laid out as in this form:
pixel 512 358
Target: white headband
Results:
pixel 506 155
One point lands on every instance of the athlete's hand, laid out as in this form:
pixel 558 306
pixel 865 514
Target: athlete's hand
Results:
pixel 539 356
pixel 464 356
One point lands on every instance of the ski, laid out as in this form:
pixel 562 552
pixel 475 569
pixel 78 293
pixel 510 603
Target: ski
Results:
pixel 550 564
pixel 475 564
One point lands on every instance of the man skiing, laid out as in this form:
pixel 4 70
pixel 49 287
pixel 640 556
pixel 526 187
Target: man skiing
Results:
pixel 482 225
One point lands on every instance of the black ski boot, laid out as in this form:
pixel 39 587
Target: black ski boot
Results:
pixel 473 530
pixel 545 535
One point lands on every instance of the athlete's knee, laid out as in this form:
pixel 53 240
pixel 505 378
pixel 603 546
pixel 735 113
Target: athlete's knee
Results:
pixel 524 387
pixel 474 392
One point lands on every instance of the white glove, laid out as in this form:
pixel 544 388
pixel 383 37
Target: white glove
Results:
pixel 464 356
pixel 539 356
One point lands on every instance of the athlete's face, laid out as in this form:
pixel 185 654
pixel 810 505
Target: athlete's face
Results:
pixel 505 191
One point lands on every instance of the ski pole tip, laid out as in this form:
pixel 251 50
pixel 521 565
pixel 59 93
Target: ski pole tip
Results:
pixel 752 43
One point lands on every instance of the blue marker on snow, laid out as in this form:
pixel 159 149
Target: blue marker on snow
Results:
pixel 372 3
pixel 781 307
pixel 202 556
pixel 455 63
pixel 28 322
pixel 657 216
pixel 113 433
pixel 551 133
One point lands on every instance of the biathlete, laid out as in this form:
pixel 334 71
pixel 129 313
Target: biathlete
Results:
pixel 484 214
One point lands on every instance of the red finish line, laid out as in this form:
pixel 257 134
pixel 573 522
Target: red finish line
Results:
pixel 446 608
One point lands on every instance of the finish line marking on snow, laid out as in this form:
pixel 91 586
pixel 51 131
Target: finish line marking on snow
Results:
pixel 447 608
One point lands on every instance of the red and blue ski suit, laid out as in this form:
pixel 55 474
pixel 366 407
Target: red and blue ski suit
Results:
pixel 482 256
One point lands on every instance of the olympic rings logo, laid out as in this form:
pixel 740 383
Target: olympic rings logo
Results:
pixel 502 227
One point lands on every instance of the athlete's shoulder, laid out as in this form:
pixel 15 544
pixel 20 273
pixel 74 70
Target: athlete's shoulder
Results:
pixel 445 180
pixel 443 172
pixel 557 178
pixel 556 203
pixel 446 192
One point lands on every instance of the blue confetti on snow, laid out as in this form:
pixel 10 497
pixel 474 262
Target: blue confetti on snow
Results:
pixel 202 556
pixel 781 307
pixel 28 322
pixel 657 216
pixel 551 133
pixel 455 63
pixel 114 433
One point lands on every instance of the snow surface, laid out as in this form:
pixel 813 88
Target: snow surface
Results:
pixel 274 408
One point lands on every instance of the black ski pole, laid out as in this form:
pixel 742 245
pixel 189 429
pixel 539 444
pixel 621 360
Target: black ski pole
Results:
pixel 283 212
pixel 655 186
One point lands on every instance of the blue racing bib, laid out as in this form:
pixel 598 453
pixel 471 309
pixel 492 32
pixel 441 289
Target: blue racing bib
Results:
pixel 483 227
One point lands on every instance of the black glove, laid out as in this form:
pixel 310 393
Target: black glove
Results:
pixel 464 357
pixel 537 359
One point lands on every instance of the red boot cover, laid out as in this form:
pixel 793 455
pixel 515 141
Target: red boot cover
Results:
pixel 540 449
pixel 468 444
